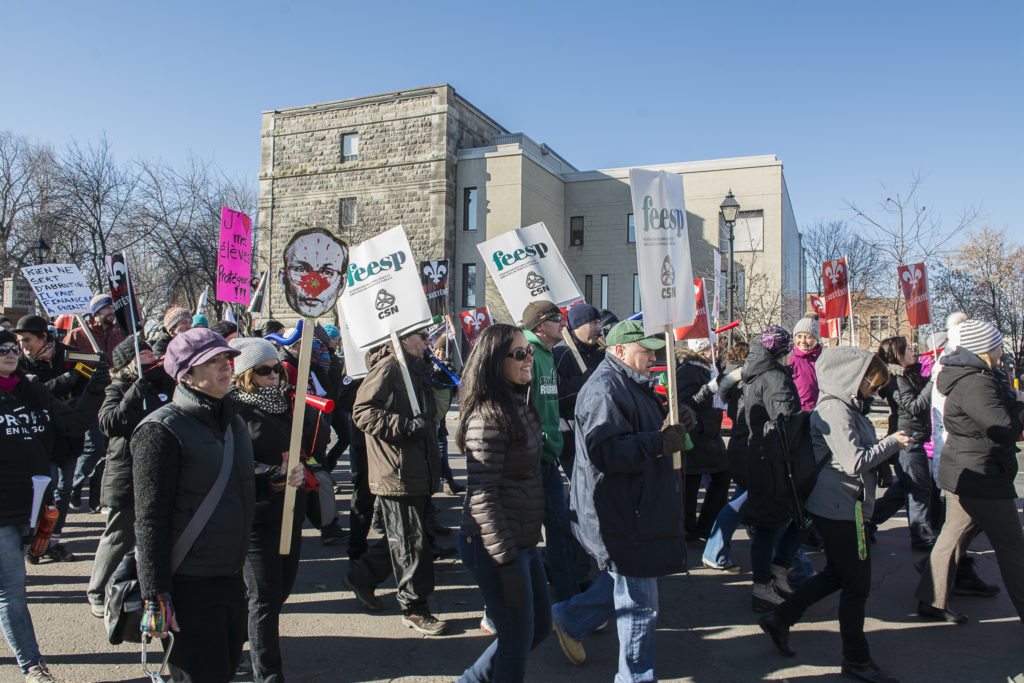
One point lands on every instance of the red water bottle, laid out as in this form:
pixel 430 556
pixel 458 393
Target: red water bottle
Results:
pixel 47 521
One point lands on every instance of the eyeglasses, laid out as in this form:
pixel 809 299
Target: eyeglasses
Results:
pixel 521 353
pixel 8 349
pixel 266 370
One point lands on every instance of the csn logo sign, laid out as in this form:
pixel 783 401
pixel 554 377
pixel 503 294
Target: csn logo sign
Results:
pixel 536 284
pixel 503 260
pixel 358 273
pixel 385 304
pixel 668 279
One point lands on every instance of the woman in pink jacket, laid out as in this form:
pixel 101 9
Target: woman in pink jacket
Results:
pixel 806 349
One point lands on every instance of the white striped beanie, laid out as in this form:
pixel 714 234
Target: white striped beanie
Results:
pixel 979 336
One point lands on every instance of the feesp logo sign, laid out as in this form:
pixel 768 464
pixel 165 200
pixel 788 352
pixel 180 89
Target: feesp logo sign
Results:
pixel 503 260
pixel 663 219
pixel 385 304
pixel 357 273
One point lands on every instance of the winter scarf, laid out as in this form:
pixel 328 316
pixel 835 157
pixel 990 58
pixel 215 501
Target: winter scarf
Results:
pixel 271 400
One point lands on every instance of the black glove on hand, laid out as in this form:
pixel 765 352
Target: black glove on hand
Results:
pixel 513 586
pixel 687 418
pixel 673 438
pixel 100 378
pixel 418 426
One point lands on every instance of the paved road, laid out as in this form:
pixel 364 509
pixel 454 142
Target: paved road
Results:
pixel 705 631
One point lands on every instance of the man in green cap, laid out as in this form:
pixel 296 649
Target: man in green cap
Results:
pixel 543 325
pixel 625 498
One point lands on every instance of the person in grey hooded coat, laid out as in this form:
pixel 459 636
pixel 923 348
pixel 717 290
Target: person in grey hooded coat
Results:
pixel 842 498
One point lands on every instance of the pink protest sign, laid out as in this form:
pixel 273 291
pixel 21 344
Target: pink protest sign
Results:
pixel 234 257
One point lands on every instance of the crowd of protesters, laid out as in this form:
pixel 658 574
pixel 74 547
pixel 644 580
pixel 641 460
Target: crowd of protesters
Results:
pixel 181 433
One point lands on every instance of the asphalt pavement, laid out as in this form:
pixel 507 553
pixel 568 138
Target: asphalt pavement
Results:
pixel 706 629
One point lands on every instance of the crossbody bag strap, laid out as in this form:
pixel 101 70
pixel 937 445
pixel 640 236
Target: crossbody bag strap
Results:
pixel 195 525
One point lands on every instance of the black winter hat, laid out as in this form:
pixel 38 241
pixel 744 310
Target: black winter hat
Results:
pixel 124 353
pixel 33 323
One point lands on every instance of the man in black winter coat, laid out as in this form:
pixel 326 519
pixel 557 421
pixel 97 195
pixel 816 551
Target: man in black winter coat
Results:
pixel 585 331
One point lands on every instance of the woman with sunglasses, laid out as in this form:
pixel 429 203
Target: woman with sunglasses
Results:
pixel 263 402
pixel 499 431
pixel 841 500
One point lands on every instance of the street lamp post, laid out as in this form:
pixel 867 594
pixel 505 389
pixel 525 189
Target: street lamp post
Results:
pixel 730 208
pixel 41 250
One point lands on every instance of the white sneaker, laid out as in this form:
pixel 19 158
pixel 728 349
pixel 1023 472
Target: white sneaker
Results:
pixel 766 598
pixel 780 576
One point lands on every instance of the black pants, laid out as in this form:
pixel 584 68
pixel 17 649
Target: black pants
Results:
pixel 360 512
pixel 403 550
pixel 211 615
pixel 715 497
pixel 915 488
pixel 845 572
pixel 341 423
pixel 269 577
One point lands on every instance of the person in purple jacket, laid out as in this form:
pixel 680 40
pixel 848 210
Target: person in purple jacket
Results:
pixel 806 349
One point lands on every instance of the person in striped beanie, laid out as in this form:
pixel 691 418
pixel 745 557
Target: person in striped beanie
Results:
pixel 983 418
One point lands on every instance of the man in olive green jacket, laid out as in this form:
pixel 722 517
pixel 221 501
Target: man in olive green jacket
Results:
pixel 542 325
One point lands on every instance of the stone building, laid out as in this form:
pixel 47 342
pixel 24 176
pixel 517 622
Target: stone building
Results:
pixel 431 161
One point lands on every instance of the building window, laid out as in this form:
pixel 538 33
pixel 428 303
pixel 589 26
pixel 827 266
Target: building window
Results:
pixel 748 233
pixel 588 289
pixel 469 209
pixel 879 326
pixel 636 291
pixel 347 213
pixel 630 230
pixel 576 231
pixel 350 147
pixel 604 292
pixel 469 285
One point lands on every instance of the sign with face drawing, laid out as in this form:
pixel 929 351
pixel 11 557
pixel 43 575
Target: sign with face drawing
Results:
pixel 313 275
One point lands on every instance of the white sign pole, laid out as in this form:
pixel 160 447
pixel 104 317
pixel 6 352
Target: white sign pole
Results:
pixel 88 334
pixel 406 377
pixel 571 343
pixel 671 388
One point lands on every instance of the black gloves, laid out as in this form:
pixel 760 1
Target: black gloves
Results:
pixel 513 587
pixel 418 426
pixel 673 438
pixel 100 378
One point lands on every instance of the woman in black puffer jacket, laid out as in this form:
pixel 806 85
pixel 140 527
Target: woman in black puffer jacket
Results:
pixel 504 507
pixel 697 390
pixel 262 399
pixel 128 400
pixel 910 397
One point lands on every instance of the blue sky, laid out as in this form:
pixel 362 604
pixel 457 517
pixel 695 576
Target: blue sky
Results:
pixel 849 96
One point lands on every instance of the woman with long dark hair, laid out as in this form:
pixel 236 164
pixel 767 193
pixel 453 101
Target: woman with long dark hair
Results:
pixel 499 431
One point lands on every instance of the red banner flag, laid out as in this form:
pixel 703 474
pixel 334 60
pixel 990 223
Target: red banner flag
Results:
pixel 835 279
pixel 914 280
pixel 818 304
pixel 474 321
pixel 700 329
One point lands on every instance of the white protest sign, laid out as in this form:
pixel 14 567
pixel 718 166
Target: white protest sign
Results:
pixel 355 357
pixel 662 250
pixel 526 265
pixel 60 288
pixel 383 292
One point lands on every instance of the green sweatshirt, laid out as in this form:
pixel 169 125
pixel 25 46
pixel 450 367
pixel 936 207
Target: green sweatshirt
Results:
pixel 544 389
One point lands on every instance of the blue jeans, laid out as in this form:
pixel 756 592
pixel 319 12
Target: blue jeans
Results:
pixel 771 546
pixel 716 550
pixel 61 474
pixel 15 620
pixel 634 604
pixel 520 629
pixel 558 552
pixel 89 466
pixel 442 445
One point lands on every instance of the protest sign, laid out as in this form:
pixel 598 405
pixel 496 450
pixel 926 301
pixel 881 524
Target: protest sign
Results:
pixel 825 327
pixel 314 263
pixel 434 275
pixel 384 294
pixel 701 328
pixel 60 288
pixel 914 281
pixel 663 259
pixel 126 308
pixel 355 357
pixel 234 257
pixel 474 321
pixel 662 250
pixel 526 265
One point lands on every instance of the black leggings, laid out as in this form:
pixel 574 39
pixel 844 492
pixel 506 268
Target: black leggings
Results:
pixel 845 572
pixel 211 614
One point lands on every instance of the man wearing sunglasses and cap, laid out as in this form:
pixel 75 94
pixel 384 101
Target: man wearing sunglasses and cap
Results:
pixel 623 493
pixel 542 325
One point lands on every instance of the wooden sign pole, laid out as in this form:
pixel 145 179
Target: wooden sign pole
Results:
pixel 571 343
pixel 88 334
pixel 406 377
pixel 671 389
pixel 295 445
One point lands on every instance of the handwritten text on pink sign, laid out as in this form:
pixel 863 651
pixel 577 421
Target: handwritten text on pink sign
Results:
pixel 234 257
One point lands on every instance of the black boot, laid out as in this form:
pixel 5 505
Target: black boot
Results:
pixel 968 582
pixel 930 612
pixel 778 632
pixel 867 671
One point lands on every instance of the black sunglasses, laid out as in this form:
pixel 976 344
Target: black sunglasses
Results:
pixel 265 370
pixel 7 349
pixel 521 353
